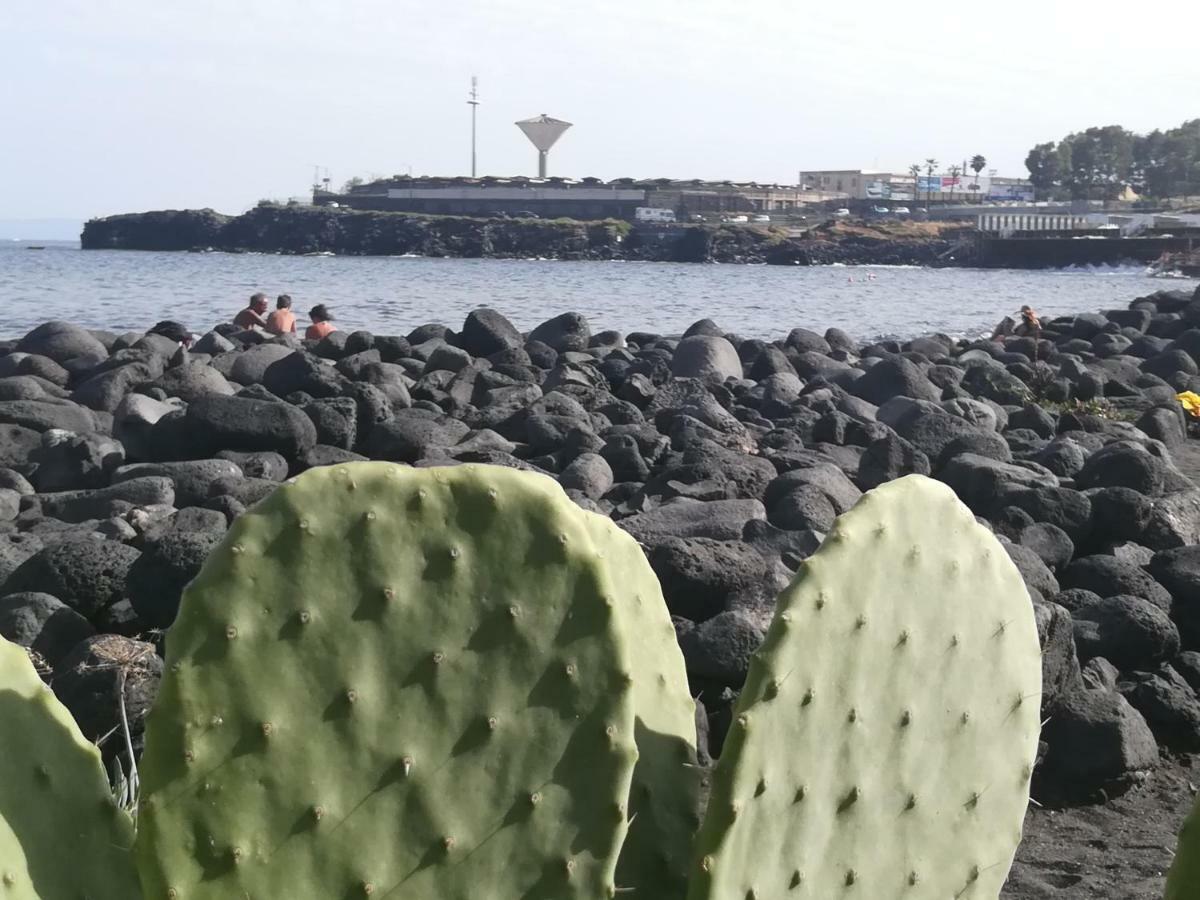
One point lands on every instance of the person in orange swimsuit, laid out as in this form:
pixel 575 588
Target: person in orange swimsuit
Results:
pixel 322 323
pixel 283 320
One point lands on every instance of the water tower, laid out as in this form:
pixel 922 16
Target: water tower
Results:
pixel 542 132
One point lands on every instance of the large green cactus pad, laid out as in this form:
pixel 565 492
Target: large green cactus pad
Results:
pixel 665 798
pixel 883 743
pixel 395 683
pixel 1183 881
pixel 61 835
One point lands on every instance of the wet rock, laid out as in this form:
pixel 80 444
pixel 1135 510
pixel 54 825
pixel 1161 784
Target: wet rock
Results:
pixel 43 624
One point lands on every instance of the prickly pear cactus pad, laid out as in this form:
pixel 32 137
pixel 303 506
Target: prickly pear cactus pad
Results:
pixel 394 682
pixel 665 798
pixel 884 740
pixel 1183 881
pixel 61 834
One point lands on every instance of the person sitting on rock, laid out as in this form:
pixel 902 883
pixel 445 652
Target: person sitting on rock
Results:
pixel 1030 325
pixel 251 317
pixel 322 323
pixel 283 320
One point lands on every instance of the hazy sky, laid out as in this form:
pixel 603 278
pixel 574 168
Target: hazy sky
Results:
pixel 126 105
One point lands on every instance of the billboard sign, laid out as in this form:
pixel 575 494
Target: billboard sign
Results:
pixel 1020 192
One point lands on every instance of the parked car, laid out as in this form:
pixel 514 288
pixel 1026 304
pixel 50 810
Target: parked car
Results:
pixel 654 214
pixel 762 218
pixel 739 218
pixel 841 212
pixel 902 211
pixel 879 210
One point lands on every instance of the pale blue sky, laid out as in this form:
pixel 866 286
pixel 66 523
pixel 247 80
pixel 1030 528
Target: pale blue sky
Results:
pixel 126 105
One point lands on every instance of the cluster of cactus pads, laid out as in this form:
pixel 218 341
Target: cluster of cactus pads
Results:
pixel 453 683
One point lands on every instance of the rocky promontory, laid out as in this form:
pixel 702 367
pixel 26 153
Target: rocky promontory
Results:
pixel 309 230
pixel 124 458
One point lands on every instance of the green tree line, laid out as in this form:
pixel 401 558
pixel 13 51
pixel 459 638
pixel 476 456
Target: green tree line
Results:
pixel 1098 163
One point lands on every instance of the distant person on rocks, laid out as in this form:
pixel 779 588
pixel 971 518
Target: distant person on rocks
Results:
pixel 283 320
pixel 322 323
pixel 1030 325
pixel 252 316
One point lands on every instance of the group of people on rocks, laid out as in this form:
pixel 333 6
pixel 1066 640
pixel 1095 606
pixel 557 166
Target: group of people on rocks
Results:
pixel 282 320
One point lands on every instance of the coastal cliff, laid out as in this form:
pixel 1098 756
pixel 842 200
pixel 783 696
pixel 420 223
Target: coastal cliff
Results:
pixel 300 230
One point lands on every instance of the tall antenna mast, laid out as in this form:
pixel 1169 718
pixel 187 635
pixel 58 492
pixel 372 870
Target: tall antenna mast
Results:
pixel 473 102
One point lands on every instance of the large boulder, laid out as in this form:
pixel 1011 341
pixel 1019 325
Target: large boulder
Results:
pixel 1094 738
pixel 1178 571
pixel 192 381
pixel 1060 664
pixel 42 415
pixel 102 503
pixel 707 358
pixel 303 372
pixel 87 575
pixel 250 366
pixel 720 649
pixel 702 578
pixel 1130 632
pixel 61 342
pixel 17 443
pixel 190 479
pixel 569 331
pixel 895 377
pixel 1109 576
pixel 412 434
pixel 156 580
pixel 1124 465
pixel 486 331
pixel 213 423
pixel 982 483
pixel 65 460
pixel 43 624
pixel 1169 705
pixel 721 520
pixel 106 390
pixel 888 458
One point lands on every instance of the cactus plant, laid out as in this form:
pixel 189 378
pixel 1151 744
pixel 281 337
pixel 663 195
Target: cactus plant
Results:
pixel 1183 880
pixel 665 797
pixel 61 833
pixel 885 737
pixel 394 682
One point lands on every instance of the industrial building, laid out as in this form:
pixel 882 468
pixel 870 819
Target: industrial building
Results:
pixel 553 197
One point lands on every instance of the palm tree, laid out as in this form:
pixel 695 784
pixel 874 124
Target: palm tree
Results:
pixel 931 165
pixel 955 171
pixel 915 171
pixel 978 163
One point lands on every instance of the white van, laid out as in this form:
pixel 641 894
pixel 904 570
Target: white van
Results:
pixel 653 214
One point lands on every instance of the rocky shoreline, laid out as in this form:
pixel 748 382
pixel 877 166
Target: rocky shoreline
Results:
pixel 311 230
pixel 123 459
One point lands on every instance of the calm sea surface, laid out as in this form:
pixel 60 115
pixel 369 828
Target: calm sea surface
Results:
pixel 123 290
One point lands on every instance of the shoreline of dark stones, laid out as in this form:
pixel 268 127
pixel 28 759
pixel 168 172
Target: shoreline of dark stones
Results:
pixel 123 459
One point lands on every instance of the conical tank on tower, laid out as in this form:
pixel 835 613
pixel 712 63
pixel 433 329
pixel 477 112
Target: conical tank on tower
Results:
pixel 543 132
